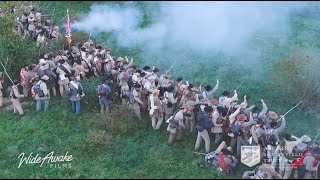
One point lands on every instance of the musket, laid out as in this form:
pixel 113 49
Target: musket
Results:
pixel 103 44
pixel 40 7
pixel 62 19
pixel 5 71
pixel 290 110
pixel 203 81
pixel 293 108
pixel 236 89
pixel 171 66
pixel 315 139
pixel 84 100
pixel 240 84
pixel 47 15
pixel 167 72
pixel 7 61
pixel 200 153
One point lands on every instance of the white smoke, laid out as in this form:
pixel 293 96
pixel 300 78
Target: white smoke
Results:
pixel 204 27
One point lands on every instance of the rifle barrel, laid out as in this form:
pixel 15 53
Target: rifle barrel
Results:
pixel 315 139
pixel 171 66
pixel 200 153
pixel 5 71
pixel 293 108
pixel 240 84
pixel 167 71
pixel 203 80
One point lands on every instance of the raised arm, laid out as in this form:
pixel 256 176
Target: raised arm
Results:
pixel 282 126
pixel 250 122
pixel 234 115
pixel 264 109
pixel 245 99
pixel 235 95
pixel 130 63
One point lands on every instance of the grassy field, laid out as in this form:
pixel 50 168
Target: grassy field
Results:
pixel 134 150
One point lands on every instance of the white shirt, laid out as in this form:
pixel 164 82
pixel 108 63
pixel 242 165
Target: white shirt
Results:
pixel 148 86
pixel 135 78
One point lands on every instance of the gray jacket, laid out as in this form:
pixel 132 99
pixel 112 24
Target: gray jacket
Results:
pixel 308 161
pixel 278 130
pixel 75 95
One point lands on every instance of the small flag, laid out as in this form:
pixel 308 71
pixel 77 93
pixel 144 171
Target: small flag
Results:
pixel 68 29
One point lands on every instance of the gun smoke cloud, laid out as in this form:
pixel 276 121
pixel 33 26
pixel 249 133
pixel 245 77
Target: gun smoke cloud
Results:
pixel 204 27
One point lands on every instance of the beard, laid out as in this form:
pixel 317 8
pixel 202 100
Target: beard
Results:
pixel 188 114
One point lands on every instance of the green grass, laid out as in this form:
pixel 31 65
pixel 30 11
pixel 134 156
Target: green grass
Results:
pixel 135 150
pixel 146 154
pixel 141 154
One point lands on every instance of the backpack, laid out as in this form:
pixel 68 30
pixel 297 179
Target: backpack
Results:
pixel 234 128
pixel 103 91
pixel 173 122
pixel 204 121
pixel 37 90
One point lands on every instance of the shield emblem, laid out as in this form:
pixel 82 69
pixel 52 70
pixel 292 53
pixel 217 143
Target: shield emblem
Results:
pixel 250 155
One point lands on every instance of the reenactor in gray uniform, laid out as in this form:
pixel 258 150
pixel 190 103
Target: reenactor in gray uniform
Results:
pixel 208 94
pixel 310 165
pixel 135 102
pixel 168 101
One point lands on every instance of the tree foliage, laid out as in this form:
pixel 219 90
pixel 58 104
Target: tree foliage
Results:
pixel 15 51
